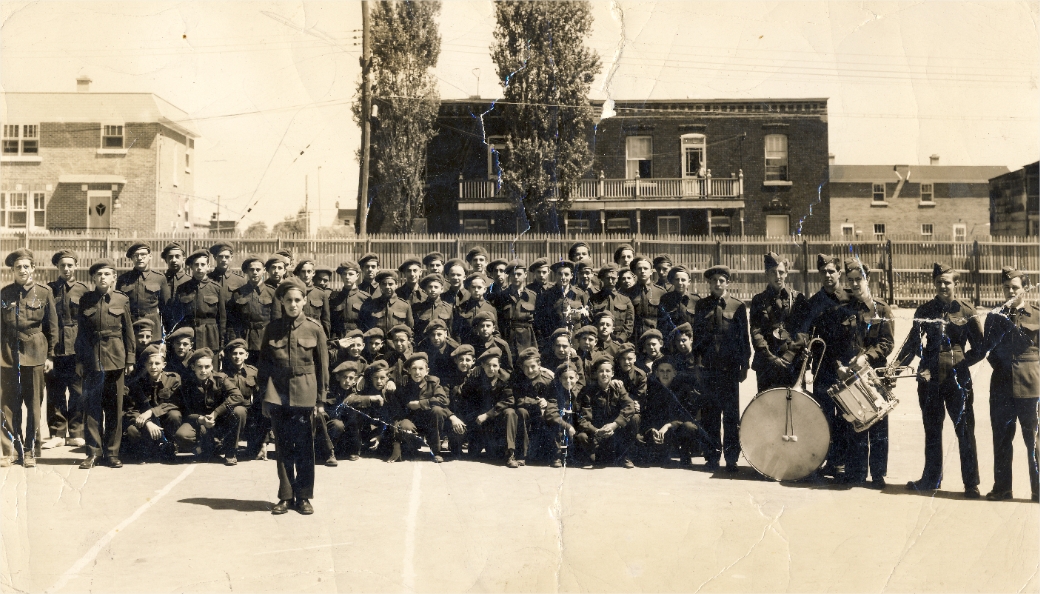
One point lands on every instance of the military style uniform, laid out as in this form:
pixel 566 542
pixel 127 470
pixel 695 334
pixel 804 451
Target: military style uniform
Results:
pixel 148 292
pixel 250 309
pixel 557 308
pixel 105 348
pixel 676 309
pixel 429 310
pixel 162 397
pixel 410 294
pixel 228 281
pixel 384 313
pixel 1012 337
pixel 597 407
pixel 345 310
pixel 480 345
pixel 463 319
pixel 720 330
pixel 316 307
pixel 868 450
pixel 635 383
pixel 65 413
pixel 774 336
pixel 216 395
pixel 431 415
pixel 28 334
pixel 532 420
pixel 293 377
pixel 646 301
pixel 478 396
pixel 939 336
pixel 517 318
pixel 200 306
pixel 620 307
pixel 169 313
pixel 257 425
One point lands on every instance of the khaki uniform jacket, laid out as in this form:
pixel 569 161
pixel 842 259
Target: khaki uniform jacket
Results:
pixel 66 302
pixel 293 366
pixel 1012 338
pixel 28 324
pixel 250 310
pixel 105 341
pixel 148 292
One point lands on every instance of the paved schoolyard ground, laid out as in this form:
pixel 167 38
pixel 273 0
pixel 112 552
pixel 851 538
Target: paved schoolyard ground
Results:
pixel 469 526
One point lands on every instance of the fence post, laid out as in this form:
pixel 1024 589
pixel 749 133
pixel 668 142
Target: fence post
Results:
pixel 718 252
pixel 805 267
pixel 108 244
pixel 279 245
pixel 890 273
pixel 976 273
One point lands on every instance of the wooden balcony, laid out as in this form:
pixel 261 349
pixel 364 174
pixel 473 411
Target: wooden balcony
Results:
pixel 705 188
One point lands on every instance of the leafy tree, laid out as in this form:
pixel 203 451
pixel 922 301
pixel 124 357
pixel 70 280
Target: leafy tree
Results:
pixel 546 72
pixel 405 48
pixel 291 225
pixel 257 229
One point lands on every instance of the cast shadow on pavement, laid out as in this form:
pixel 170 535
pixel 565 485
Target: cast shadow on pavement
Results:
pixel 242 505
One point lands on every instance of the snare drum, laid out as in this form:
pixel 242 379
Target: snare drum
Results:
pixel 784 434
pixel 863 399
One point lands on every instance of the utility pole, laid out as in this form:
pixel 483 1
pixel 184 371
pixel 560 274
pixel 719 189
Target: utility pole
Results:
pixel 306 207
pixel 366 115
pixel 218 212
pixel 317 224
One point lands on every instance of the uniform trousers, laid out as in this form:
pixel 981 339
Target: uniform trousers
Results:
pixel 256 429
pixel 352 428
pixel 428 422
pixel 294 441
pixel 65 398
pixel 612 449
pixel 510 425
pixel 103 411
pixel 868 450
pixel 837 453
pixel 139 442
pixel 1004 410
pixel 721 414
pixel 954 396
pixel 18 386
pixel 193 435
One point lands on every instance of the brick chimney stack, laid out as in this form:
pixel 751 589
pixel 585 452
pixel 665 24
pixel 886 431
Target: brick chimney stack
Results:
pixel 83 84
pixel 933 160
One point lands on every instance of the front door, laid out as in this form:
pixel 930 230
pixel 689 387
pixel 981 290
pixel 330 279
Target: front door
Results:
pixel 99 209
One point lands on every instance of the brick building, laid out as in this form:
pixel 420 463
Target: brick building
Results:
pixel 1014 202
pixel 82 161
pixel 939 202
pixel 691 167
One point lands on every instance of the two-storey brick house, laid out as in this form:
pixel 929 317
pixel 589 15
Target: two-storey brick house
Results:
pixel 95 161
pixel 755 167
pixel 1014 202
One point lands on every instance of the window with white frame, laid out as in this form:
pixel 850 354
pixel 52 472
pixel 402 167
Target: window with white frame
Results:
pixel 927 193
pixel 960 232
pixel 21 140
pixel 668 225
pixel 879 230
pixel 879 192
pixel 848 230
pixel 111 137
pixel 16 205
pixel 693 155
pixel 475 225
pixel 926 229
pixel 639 152
pixel 578 225
pixel 619 224
pixel 39 210
pixel 776 157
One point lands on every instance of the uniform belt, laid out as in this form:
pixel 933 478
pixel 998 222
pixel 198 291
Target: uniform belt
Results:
pixel 298 369
pixel 956 348
pixel 203 322
pixel 110 333
pixel 29 333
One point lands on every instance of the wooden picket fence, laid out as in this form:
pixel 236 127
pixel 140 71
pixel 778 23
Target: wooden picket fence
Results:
pixel 900 266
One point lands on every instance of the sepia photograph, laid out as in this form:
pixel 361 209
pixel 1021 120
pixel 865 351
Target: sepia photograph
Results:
pixel 519 296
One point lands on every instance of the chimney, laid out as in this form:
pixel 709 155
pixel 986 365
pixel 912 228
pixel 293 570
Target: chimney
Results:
pixel 933 160
pixel 83 84
pixel 830 158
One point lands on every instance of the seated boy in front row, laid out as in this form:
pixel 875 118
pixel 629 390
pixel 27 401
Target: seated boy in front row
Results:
pixel 152 416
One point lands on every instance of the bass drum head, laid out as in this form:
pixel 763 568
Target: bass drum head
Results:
pixel 762 430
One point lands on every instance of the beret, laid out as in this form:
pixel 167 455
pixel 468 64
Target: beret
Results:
pixel 348 366
pixel 216 248
pixel 144 324
pixel 676 270
pixel 651 333
pixel 773 260
pixel 301 264
pixel 556 266
pixel 599 360
pixel 718 269
pixel 538 264
pixel 684 328
pixel 420 356
pixel 249 260
pixel 939 270
pixel 661 259
pixel 19 254
pixel 197 254
pixel 238 343
pixel 436 324
pixel 374 333
pixel 585 330
pixel 367 257
pixel 456 262
pixel 323 270
pixel 482 316
pixel 152 349
pixel 474 276
pixel 432 257
pixel 525 354
pixel 348 265
pixel 355 333
pixel 492 353
pixel 583 263
pixel 429 278
pixel 607 268
pixel 1007 273
pixel 624 349
pixel 182 332
pixel 822 260
pixel 64 254
pixel 276 259
pixel 130 251
pixel 563 368
pixel 385 274
pixel 621 248
pixel 477 251
pixel 463 349
pixel 637 259
pixel 286 253
pixel 497 262
pixel 400 328
pixel 576 245
pixel 288 285
pixel 375 366
pixel 560 332
pixel 512 266
pixel 409 262
pixel 599 315
pixel 98 265
pixel 203 353
pixel 854 264
pixel 170 247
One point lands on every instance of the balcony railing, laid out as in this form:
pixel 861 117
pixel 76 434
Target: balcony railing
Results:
pixel 697 188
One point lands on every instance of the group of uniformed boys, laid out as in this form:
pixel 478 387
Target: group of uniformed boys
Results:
pixel 565 361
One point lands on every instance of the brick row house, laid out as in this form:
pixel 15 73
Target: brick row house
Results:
pixel 690 167
pixel 95 161
pixel 1014 202
pixel 932 202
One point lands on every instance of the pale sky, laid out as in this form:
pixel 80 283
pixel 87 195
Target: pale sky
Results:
pixel 269 84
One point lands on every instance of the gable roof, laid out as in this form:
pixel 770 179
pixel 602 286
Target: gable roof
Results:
pixel 917 173
pixel 94 107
